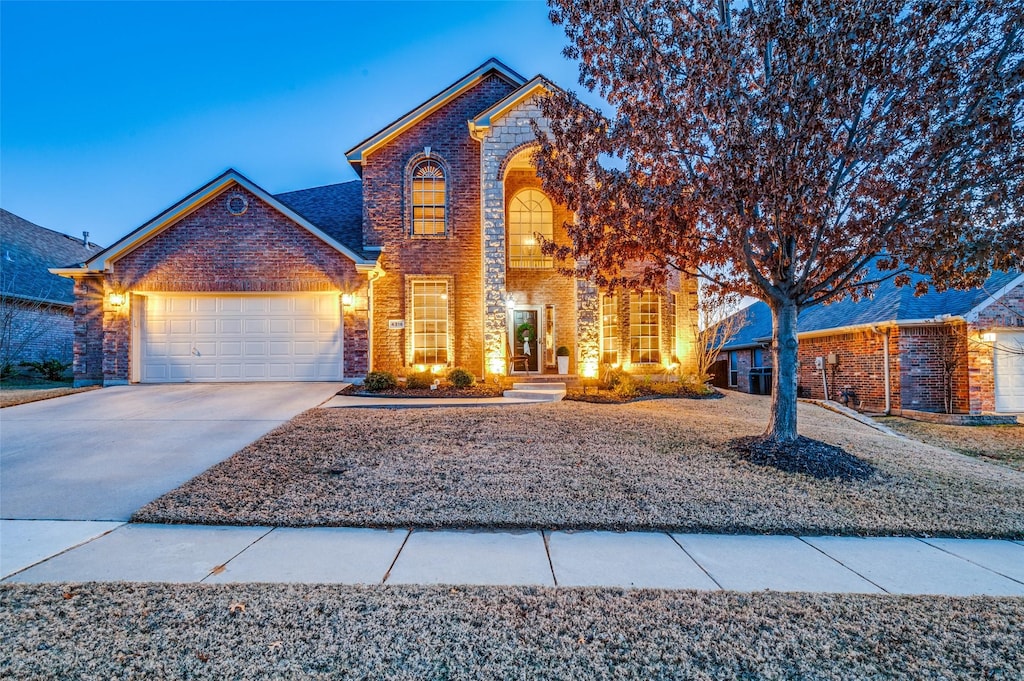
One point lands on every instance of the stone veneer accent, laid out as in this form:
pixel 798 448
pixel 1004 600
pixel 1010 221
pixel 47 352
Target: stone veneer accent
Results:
pixel 507 136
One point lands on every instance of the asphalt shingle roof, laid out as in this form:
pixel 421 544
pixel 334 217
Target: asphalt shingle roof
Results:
pixel 336 209
pixel 27 251
pixel 889 303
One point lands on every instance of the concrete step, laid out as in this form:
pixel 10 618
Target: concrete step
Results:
pixel 537 395
pixel 539 386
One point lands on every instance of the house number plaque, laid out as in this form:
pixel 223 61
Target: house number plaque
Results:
pixel 396 323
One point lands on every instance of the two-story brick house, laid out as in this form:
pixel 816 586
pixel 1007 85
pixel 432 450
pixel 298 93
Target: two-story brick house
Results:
pixel 430 260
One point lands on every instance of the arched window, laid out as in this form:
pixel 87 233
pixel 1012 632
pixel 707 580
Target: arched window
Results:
pixel 428 199
pixel 529 216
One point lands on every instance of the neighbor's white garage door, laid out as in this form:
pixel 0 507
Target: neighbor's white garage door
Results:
pixel 240 338
pixel 1009 368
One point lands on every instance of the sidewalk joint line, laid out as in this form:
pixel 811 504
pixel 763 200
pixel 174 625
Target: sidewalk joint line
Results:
pixel 391 567
pixel 968 560
pixel 63 551
pixel 243 550
pixel 695 561
pixel 830 557
pixel 547 550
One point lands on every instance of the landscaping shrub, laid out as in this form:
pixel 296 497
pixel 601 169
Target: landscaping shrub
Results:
pixel 625 387
pixel 460 378
pixel 51 369
pixel 377 381
pixel 419 381
pixel 665 388
pixel 692 384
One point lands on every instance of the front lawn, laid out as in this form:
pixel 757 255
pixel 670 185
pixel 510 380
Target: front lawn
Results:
pixel 22 390
pixel 656 465
pixel 257 631
pixel 1002 444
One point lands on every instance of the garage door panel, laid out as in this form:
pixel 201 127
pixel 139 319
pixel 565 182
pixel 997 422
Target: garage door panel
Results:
pixel 230 349
pixel 211 338
pixel 229 326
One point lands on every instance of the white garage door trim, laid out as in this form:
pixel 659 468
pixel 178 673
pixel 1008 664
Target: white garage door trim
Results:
pixel 1008 365
pixel 225 337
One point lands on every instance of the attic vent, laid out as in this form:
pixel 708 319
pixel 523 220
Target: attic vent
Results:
pixel 237 204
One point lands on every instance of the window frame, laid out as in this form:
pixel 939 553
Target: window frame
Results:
pixel 523 261
pixel 734 368
pixel 610 331
pixel 414 165
pixel 444 318
pixel 655 351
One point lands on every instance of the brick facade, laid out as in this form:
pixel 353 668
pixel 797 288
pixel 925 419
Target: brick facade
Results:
pixel 36 331
pixel 928 363
pixel 385 222
pixel 210 250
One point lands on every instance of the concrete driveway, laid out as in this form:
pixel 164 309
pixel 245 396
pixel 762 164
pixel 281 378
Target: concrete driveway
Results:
pixel 101 455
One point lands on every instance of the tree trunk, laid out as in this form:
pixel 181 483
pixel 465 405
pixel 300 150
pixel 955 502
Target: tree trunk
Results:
pixel 782 425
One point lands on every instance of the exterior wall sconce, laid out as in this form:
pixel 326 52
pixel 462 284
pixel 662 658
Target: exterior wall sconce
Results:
pixel 510 301
pixel 117 299
pixel 348 300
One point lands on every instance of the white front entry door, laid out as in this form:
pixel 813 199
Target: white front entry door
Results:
pixel 1009 371
pixel 290 337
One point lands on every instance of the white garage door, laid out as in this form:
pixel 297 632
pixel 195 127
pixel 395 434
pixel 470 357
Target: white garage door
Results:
pixel 240 338
pixel 1009 368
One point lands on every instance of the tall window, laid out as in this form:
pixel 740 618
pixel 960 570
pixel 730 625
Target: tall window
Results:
pixel 529 216
pixel 644 336
pixel 734 368
pixel 757 358
pixel 428 199
pixel 609 330
pixel 429 322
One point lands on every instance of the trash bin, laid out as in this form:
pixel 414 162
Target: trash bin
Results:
pixel 761 381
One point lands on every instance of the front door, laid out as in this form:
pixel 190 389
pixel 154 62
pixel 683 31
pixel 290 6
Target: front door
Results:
pixel 524 334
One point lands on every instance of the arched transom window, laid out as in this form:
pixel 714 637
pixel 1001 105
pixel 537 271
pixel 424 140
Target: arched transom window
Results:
pixel 529 216
pixel 428 199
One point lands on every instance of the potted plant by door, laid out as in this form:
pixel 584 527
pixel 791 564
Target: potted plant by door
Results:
pixel 562 357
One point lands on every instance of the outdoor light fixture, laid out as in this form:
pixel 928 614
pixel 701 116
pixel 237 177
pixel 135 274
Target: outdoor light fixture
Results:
pixel 116 299
pixel 348 300
pixel 988 337
pixel 510 302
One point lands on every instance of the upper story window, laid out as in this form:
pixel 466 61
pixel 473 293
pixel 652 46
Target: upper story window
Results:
pixel 529 217
pixel 429 205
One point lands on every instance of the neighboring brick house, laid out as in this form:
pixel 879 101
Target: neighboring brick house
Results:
pixel 36 321
pixel 429 261
pixel 961 351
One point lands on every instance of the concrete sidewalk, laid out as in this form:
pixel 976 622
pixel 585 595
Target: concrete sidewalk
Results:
pixel 191 553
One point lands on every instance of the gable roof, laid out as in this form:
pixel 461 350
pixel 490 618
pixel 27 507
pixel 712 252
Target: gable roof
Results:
pixel 492 66
pixel 337 209
pixel 103 260
pixel 890 304
pixel 27 251
pixel 481 123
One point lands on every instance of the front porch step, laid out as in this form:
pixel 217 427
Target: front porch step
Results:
pixel 567 379
pixel 538 386
pixel 538 392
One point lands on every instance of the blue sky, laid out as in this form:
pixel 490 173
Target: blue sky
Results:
pixel 111 112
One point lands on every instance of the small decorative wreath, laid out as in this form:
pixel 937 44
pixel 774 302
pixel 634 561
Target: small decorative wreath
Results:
pixel 525 332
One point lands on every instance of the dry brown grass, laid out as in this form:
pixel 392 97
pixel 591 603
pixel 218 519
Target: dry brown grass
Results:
pixel 650 465
pixel 1001 444
pixel 11 395
pixel 162 631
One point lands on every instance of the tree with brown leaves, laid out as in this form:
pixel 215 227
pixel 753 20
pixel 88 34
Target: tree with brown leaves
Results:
pixel 776 147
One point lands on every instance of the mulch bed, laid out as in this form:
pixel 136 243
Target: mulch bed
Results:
pixel 807 456
pixel 261 631
pixel 605 396
pixel 478 390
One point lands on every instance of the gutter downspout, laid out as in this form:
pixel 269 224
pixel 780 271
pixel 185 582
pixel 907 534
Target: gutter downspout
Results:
pixel 885 370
